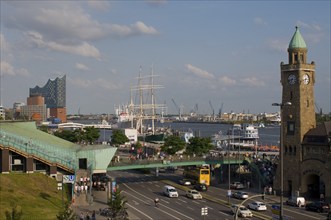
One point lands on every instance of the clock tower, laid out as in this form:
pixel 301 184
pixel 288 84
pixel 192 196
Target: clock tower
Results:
pixel 297 79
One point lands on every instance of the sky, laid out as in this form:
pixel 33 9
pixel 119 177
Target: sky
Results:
pixel 216 55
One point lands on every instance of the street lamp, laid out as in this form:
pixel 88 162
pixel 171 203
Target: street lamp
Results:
pixel 281 155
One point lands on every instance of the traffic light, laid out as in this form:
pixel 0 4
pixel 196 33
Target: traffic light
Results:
pixel 263 196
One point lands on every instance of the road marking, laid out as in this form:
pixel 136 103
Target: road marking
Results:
pixel 135 202
pixel 182 200
pixel 189 207
pixel 225 213
pixel 159 204
pixel 196 202
pixel 300 213
pixel 139 211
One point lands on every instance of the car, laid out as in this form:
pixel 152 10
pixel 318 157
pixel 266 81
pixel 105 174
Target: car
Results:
pixel 237 185
pixel 318 206
pixel 201 187
pixel 193 194
pixel 242 212
pixel 296 201
pixel 185 182
pixel 258 206
pixel 170 191
pixel 240 195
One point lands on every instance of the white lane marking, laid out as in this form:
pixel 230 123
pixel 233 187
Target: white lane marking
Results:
pixel 139 211
pixel 182 200
pixel 300 213
pixel 189 207
pixel 135 202
pixel 196 202
pixel 224 213
pixel 157 185
pixel 159 204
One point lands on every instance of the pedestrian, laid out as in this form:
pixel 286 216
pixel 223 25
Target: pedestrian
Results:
pixel 81 216
pixel 85 187
pixel 270 190
pixel 156 201
pixel 93 215
pixel 81 180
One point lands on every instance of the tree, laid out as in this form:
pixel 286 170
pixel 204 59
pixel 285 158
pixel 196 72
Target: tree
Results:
pixel 15 214
pixel 118 138
pixel 172 144
pixel 117 205
pixel 199 146
pixel 91 134
pixel 66 213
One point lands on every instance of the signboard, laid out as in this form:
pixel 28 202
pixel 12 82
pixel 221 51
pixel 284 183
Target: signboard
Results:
pixel 68 178
pixel 204 211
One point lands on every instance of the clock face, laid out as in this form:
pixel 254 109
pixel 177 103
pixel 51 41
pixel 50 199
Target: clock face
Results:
pixel 292 79
pixel 305 79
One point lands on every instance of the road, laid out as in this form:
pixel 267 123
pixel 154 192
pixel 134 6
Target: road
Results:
pixel 141 189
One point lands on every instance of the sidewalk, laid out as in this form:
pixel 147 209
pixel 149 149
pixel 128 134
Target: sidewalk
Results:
pixel 99 202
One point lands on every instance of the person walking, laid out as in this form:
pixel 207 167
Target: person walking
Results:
pixel 156 201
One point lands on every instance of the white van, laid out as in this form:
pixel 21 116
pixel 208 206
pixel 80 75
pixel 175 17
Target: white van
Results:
pixel 170 191
pixel 296 201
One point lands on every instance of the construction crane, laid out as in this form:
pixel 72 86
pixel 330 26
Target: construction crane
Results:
pixel 220 110
pixel 178 109
pixel 212 108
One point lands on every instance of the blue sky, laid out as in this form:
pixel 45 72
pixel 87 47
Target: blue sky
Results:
pixel 219 51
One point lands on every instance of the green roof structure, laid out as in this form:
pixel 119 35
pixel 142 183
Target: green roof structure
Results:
pixel 297 40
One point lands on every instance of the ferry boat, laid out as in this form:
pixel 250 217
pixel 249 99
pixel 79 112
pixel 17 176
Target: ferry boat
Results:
pixel 243 136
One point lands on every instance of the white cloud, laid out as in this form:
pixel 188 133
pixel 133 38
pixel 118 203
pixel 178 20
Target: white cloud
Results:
pixel 252 82
pixel 199 72
pixel 81 66
pixel 226 81
pixel 68 22
pixel 99 5
pixel 82 49
pixel 259 21
pixel 5 47
pixel 8 69
pixel 278 45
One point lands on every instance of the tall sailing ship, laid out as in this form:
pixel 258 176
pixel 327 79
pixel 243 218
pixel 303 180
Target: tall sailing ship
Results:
pixel 143 112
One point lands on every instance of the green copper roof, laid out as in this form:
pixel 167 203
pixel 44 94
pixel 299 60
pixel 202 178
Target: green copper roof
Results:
pixel 297 40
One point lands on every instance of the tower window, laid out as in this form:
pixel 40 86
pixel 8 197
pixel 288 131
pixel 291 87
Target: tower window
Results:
pixel 290 128
pixel 294 150
pixel 295 58
pixel 307 103
pixel 291 95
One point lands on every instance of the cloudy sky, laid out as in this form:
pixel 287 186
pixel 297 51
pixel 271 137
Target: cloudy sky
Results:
pixel 201 51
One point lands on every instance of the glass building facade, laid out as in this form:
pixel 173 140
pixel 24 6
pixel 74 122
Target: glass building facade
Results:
pixel 54 92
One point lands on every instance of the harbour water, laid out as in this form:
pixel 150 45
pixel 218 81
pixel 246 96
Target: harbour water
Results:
pixel 269 135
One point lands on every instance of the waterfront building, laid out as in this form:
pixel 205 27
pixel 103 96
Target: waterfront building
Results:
pixel 54 92
pixel 306 146
pixel 35 109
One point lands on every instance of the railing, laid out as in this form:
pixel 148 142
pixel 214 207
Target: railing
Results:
pixel 127 161
pixel 50 153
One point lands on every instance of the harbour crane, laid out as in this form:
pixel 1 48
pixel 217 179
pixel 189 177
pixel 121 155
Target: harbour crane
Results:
pixel 212 108
pixel 220 110
pixel 178 109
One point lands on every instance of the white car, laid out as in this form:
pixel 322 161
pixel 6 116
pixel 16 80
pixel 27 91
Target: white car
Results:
pixel 185 182
pixel 240 195
pixel 242 212
pixel 193 194
pixel 258 206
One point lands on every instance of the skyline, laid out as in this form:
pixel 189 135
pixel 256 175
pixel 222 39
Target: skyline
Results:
pixel 216 51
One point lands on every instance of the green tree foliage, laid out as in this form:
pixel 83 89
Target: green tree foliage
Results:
pixel 66 213
pixel 118 138
pixel 15 214
pixel 87 135
pixel 199 146
pixel 172 144
pixel 117 205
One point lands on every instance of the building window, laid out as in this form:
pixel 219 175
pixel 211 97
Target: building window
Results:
pixel 307 103
pixel 295 58
pixel 285 150
pixel 290 128
pixel 291 95
pixel 290 150
pixel 294 150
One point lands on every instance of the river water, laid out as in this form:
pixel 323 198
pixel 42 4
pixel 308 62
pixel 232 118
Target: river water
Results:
pixel 269 136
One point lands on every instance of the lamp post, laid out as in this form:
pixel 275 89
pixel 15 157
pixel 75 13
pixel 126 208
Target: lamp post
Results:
pixel 281 156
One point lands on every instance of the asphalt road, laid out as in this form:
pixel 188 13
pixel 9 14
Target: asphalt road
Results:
pixel 141 189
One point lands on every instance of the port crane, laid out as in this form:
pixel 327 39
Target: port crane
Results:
pixel 212 108
pixel 178 109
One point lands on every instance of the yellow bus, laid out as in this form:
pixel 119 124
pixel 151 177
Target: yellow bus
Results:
pixel 197 174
